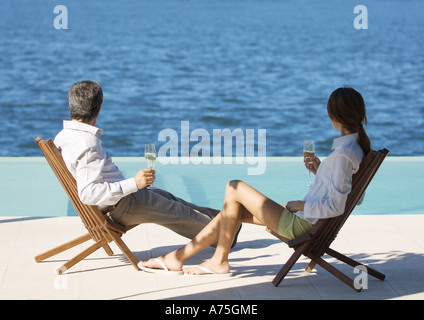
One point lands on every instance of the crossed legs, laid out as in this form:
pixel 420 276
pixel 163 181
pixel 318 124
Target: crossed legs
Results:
pixel 242 203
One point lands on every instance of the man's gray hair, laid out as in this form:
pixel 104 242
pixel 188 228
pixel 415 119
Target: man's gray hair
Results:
pixel 85 100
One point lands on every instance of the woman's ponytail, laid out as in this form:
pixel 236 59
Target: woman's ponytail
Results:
pixel 363 140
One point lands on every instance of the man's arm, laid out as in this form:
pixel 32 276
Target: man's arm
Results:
pixel 99 181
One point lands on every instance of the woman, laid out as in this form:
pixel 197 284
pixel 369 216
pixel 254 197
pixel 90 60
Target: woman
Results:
pixel 242 203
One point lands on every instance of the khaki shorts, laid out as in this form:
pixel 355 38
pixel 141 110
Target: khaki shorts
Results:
pixel 291 226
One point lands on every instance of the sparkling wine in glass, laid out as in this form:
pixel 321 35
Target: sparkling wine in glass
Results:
pixel 309 154
pixel 150 155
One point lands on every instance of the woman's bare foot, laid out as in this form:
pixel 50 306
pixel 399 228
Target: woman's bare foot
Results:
pixel 207 267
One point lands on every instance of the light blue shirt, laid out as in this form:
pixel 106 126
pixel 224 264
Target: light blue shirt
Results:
pixel 99 180
pixel 333 182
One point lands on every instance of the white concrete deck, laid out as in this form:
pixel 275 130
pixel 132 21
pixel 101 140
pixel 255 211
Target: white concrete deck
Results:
pixel 392 244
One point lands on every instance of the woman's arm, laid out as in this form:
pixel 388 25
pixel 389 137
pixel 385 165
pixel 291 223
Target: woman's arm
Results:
pixel 339 186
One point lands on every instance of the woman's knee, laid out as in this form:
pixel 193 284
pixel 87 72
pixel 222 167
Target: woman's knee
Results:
pixel 234 190
pixel 233 186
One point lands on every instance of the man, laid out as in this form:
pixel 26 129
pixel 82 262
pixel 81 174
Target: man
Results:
pixel 126 201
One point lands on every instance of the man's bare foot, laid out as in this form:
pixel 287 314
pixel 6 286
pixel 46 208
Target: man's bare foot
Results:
pixel 171 263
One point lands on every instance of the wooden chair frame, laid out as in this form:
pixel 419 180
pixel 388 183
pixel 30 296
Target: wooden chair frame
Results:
pixel 100 229
pixel 317 241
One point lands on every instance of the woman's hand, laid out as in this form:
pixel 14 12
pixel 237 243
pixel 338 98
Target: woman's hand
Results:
pixel 294 206
pixel 144 178
pixel 315 164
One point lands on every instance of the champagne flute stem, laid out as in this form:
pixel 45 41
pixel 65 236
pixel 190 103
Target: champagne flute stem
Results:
pixel 310 177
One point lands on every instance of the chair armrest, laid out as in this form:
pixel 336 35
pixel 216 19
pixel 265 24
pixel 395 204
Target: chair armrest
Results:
pixel 299 240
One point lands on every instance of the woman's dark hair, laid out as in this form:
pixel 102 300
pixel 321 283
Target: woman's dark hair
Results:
pixel 347 107
pixel 85 100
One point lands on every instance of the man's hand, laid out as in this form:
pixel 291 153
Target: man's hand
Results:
pixel 144 178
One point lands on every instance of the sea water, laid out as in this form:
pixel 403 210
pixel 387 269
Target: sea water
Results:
pixel 259 65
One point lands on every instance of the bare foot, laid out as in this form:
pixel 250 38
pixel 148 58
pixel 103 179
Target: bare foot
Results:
pixel 218 268
pixel 171 263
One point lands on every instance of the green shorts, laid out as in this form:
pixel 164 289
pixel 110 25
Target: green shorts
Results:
pixel 291 226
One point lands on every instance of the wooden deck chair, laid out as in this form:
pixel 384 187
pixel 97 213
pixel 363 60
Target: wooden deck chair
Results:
pixel 317 241
pixel 100 229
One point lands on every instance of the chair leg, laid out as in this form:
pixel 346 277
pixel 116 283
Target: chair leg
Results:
pixel 354 263
pixel 337 273
pixel 81 256
pixel 108 250
pixel 289 264
pixel 62 248
pixel 310 266
pixel 125 250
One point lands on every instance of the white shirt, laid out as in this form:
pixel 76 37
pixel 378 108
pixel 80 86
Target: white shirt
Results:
pixel 99 180
pixel 327 196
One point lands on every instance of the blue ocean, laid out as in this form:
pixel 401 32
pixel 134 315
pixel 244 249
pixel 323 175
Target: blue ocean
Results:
pixel 248 64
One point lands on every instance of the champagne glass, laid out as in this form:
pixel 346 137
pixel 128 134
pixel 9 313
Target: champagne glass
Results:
pixel 150 155
pixel 309 154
